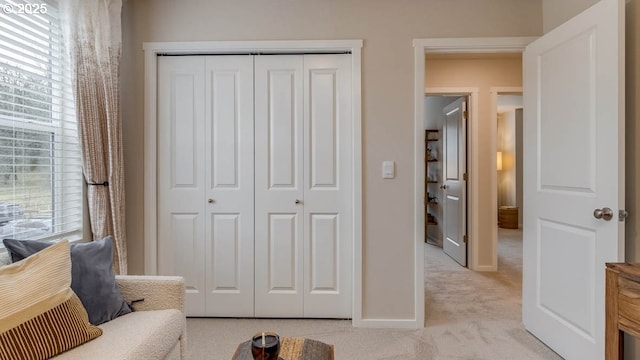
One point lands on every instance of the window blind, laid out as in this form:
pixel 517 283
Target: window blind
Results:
pixel 41 192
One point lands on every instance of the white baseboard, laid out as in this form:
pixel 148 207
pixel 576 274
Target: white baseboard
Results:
pixel 387 323
pixel 486 268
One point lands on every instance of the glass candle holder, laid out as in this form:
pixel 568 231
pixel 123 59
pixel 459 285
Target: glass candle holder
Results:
pixel 265 346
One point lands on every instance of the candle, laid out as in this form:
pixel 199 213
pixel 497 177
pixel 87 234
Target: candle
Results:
pixel 265 346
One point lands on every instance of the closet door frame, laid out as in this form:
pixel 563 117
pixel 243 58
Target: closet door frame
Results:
pixel 154 49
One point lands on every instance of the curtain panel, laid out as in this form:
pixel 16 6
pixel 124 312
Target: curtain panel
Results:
pixel 93 38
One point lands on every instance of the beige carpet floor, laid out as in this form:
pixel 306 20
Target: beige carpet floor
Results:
pixel 469 316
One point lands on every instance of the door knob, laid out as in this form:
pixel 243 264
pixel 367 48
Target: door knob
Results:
pixel 443 187
pixel 211 201
pixel 298 201
pixel 604 213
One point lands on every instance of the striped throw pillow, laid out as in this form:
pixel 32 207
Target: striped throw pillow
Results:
pixel 40 316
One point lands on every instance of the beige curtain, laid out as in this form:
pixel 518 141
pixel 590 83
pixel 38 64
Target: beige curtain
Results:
pixel 93 39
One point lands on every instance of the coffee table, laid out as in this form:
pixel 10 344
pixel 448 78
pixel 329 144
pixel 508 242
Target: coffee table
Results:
pixel 291 348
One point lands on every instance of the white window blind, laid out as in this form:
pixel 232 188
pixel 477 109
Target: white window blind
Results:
pixel 40 167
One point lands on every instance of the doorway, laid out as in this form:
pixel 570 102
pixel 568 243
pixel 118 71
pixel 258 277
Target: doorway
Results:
pixel 449 46
pixel 509 170
pixel 449 74
pixel 565 309
pixel 509 159
pixel 446 116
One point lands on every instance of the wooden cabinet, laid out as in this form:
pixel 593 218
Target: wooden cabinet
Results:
pixel 432 136
pixel 508 217
pixel 622 307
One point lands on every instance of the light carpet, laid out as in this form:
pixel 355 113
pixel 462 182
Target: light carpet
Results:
pixel 469 316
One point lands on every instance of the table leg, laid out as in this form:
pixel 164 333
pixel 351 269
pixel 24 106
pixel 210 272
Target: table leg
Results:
pixel 613 336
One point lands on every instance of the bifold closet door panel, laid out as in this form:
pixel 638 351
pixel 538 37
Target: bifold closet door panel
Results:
pixel 255 180
pixel 229 225
pixel 327 186
pixel 279 186
pixel 181 174
pixel 205 180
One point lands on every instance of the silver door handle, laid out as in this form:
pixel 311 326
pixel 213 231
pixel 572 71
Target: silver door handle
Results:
pixel 443 187
pixel 604 213
pixel 211 201
pixel 298 201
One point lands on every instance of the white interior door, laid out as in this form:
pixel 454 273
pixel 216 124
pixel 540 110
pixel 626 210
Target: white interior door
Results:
pixel 327 186
pixel 573 164
pixel 228 179
pixel 279 186
pixel 181 186
pixel 205 180
pixel 454 166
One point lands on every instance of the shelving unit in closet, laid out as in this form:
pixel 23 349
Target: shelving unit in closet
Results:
pixel 431 181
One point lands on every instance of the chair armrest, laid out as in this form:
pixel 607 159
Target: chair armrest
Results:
pixel 152 292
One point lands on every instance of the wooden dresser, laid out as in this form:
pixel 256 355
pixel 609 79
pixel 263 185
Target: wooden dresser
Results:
pixel 622 306
pixel 508 217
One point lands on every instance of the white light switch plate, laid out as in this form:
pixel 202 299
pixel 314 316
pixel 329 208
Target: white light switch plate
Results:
pixel 388 169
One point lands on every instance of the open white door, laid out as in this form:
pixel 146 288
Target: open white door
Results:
pixel 454 187
pixel 573 165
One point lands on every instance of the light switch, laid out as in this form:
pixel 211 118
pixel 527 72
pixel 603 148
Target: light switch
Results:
pixel 388 169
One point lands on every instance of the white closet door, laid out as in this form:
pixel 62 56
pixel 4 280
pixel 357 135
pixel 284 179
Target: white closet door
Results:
pixel 278 186
pixel 181 186
pixel 256 231
pixel 327 186
pixel 205 180
pixel 229 185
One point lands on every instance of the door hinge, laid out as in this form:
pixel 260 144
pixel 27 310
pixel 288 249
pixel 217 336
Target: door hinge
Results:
pixel 464 114
pixel 622 215
pixel 465 177
pixel 465 239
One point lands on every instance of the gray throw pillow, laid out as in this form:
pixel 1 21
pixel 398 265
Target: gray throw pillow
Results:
pixel 92 276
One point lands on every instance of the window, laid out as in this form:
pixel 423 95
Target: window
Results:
pixel 40 165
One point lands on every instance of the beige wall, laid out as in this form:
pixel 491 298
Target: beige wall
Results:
pixel 555 12
pixel 482 73
pixel 388 28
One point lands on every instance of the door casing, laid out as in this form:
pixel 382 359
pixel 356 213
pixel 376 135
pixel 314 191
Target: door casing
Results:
pixel 153 49
pixel 449 46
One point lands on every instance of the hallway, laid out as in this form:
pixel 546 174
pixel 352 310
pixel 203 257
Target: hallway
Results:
pixel 477 315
